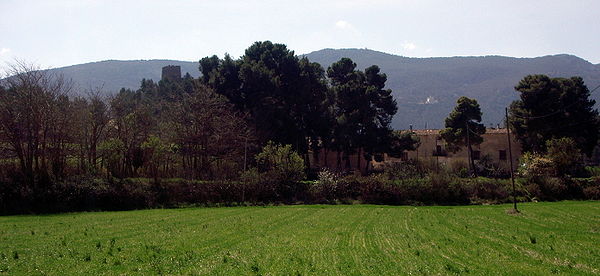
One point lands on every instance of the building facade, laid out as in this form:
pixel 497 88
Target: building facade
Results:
pixel 494 150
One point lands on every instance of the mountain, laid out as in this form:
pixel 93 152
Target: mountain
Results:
pixel 426 89
pixel 112 75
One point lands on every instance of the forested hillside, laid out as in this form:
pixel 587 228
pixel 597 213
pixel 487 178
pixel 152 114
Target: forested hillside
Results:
pixel 426 89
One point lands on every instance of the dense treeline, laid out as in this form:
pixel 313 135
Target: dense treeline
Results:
pixel 196 128
pixel 291 100
pixel 206 129
pixel 161 130
pixel 242 133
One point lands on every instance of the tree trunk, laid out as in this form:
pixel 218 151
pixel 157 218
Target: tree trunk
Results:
pixel 358 161
pixel 472 161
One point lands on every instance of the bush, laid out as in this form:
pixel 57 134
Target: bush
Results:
pixel 281 162
pixel 564 156
pixel 592 171
pixel 487 167
pixel 460 168
pixel 592 193
pixel 325 189
pixel 489 190
pixel 535 165
pixel 402 170
pixel 546 188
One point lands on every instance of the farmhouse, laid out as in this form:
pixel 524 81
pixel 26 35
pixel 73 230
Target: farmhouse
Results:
pixel 493 150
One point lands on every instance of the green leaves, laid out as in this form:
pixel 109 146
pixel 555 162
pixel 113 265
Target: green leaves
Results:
pixel 466 114
pixel 553 108
pixel 281 161
pixel 363 109
pixel 285 96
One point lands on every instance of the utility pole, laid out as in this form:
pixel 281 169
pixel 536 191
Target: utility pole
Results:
pixel 512 175
pixel 437 155
pixel 245 151
pixel 469 149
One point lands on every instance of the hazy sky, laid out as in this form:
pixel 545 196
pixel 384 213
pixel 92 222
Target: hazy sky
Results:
pixel 65 32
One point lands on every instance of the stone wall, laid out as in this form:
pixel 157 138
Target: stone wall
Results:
pixel 171 73
pixel 494 147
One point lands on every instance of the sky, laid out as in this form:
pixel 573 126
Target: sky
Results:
pixel 58 33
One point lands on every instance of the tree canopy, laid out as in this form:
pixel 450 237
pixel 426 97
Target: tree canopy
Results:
pixel 290 100
pixel 363 109
pixel 463 126
pixel 554 108
pixel 283 94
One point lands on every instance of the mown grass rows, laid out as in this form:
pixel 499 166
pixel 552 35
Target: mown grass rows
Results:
pixel 545 238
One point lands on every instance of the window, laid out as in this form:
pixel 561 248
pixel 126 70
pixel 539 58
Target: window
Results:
pixel 404 156
pixel 502 154
pixel 476 155
pixel 439 151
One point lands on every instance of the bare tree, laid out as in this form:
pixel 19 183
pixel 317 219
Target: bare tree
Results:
pixel 29 113
pixel 91 116
pixel 208 131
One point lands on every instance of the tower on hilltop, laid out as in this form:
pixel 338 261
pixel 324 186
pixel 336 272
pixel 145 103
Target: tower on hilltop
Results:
pixel 171 73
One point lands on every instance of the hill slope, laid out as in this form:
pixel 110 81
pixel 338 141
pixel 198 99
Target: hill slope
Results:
pixel 426 88
pixel 112 75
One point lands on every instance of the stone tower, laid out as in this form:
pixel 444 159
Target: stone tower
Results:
pixel 171 73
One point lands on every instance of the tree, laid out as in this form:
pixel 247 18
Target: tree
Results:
pixel 282 93
pixel 363 110
pixel 378 136
pixel 134 121
pixel 402 141
pixel 112 153
pixel 464 127
pixel 156 155
pixel 88 119
pixel 31 119
pixel 554 108
pixel 208 130
pixel 99 116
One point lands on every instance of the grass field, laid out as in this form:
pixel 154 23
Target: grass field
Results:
pixel 545 238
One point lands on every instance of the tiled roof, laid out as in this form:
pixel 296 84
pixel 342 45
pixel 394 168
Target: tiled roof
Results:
pixel 437 131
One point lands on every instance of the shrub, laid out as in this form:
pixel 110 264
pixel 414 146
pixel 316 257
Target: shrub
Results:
pixel 564 156
pixel 488 190
pixel 592 171
pixel 592 193
pixel 325 189
pixel 460 168
pixel 376 189
pixel 402 170
pixel 535 165
pixel 281 162
pixel 546 188
pixel 254 186
pixel 488 168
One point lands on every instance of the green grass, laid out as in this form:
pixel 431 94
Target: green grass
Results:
pixel 545 238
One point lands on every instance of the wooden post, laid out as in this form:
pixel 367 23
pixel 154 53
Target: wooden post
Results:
pixel 245 152
pixel 512 176
pixel 469 149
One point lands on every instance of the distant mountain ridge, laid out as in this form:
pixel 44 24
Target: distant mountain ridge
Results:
pixel 112 75
pixel 426 89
